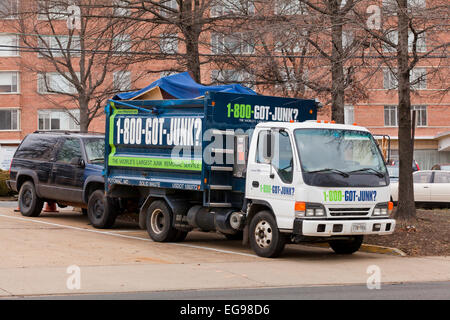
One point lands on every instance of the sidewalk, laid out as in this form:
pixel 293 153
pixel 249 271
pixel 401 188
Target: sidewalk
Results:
pixel 273 273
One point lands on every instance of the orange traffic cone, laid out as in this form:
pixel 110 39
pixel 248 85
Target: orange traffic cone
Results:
pixel 18 208
pixel 50 207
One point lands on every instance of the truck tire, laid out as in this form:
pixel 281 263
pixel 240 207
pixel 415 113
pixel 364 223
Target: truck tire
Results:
pixel 346 246
pixel 30 204
pixel 102 210
pixel 181 235
pixel 159 223
pixel 265 238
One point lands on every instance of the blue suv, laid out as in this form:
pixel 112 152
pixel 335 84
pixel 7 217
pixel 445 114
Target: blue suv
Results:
pixel 63 168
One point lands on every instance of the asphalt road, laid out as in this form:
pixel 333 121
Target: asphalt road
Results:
pixel 403 291
pixel 38 257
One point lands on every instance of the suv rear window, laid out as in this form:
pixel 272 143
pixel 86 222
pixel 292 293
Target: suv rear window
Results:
pixel 36 146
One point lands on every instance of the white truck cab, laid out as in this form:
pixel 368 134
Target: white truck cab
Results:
pixel 321 181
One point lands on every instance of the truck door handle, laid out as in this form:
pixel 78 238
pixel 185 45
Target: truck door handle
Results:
pixel 255 184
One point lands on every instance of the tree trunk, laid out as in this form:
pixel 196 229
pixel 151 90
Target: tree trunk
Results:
pixel 84 117
pixel 337 68
pixel 406 210
pixel 193 55
pixel 191 36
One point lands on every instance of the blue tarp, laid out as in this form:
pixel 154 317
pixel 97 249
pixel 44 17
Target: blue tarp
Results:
pixel 182 86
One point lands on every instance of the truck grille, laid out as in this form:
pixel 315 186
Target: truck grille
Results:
pixel 342 212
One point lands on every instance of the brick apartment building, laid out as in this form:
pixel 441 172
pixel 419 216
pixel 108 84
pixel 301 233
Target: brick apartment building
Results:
pixel 24 106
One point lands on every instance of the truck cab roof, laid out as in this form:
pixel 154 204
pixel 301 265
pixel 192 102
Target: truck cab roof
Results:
pixel 311 125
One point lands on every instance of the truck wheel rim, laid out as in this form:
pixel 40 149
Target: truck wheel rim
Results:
pixel 99 209
pixel 263 234
pixel 27 198
pixel 157 221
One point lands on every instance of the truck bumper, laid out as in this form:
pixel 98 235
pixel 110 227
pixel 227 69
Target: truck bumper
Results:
pixel 328 228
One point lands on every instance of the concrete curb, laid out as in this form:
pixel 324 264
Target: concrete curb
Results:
pixel 371 248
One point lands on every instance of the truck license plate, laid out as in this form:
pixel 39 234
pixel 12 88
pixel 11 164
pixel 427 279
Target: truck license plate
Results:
pixel 358 227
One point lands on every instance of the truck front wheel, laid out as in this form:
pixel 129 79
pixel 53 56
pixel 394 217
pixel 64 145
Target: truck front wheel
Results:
pixel 159 223
pixel 102 210
pixel 265 238
pixel 346 246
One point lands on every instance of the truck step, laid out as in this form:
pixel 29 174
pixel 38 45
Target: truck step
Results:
pixel 216 132
pixel 218 204
pixel 220 187
pixel 217 150
pixel 216 168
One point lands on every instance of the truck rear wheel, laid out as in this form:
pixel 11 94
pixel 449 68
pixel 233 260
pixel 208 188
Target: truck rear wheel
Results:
pixel 265 238
pixel 346 246
pixel 102 210
pixel 30 204
pixel 159 223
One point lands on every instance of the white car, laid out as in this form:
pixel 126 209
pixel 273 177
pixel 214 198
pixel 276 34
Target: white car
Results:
pixel 430 186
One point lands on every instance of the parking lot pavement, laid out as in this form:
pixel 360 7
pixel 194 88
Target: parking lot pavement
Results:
pixel 36 252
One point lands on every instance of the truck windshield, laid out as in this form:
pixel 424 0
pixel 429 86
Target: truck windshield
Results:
pixel 95 149
pixel 346 153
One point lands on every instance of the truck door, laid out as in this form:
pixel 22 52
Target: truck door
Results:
pixel 67 173
pixel 272 180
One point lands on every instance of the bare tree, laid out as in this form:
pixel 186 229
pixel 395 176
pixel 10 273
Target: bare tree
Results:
pixel 303 49
pixel 181 29
pixel 410 33
pixel 84 52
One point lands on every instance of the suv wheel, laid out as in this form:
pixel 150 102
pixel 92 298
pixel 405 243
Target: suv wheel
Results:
pixel 102 210
pixel 265 238
pixel 30 204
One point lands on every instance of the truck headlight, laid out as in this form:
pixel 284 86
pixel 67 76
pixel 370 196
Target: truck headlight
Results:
pixel 305 209
pixel 382 209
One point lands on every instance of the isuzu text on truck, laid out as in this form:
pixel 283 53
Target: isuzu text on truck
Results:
pixel 248 166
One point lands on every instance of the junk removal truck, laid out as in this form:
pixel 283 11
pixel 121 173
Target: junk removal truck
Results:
pixel 251 167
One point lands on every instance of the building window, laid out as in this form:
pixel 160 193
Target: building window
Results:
pixel 418 78
pixel 389 79
pixel 58 46
pixel 232 76
pixel 9 44
pixel 238 43
pixel 169 43
pixel 390 116
pixel 52 10
pixel 347 38
pixel 9 82
pixel 164 74
pixel 122 81
pixel 121 9
pixel 391 5
pixel 171 5
pixel 225 7
pixel 289 80
pixel 122 43
pixel 289 7
pixel 292 41
pixel 9 9
pixel 53 82
pixel 393 37
pixel 9 119
pixel 349 114
pixel 59 120
pixel 421 115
